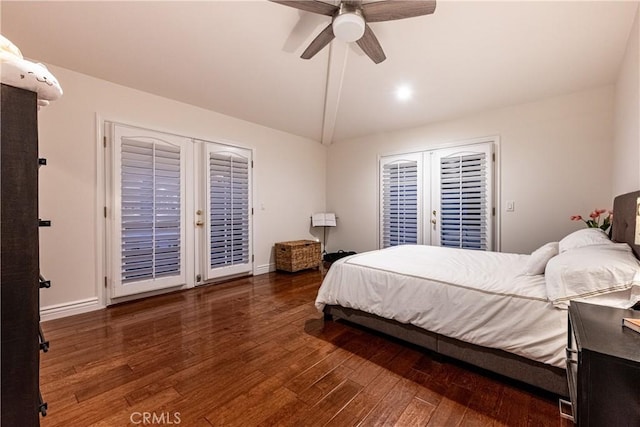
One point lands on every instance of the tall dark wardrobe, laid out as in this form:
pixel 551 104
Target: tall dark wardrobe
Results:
pixel 21 338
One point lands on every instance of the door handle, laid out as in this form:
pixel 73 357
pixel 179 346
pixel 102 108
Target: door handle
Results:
pixel 199 223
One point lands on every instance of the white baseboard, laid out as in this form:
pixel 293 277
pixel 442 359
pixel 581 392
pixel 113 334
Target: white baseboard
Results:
pixel 265 268
pixel 57 311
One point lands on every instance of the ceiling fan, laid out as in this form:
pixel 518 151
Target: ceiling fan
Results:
pixel 350 18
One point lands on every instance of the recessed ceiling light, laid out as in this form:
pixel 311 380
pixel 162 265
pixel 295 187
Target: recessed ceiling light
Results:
pixel 404 93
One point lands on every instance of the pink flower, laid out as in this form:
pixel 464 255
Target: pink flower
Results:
pixel 595 216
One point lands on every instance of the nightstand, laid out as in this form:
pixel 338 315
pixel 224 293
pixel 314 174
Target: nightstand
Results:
pixel 603 366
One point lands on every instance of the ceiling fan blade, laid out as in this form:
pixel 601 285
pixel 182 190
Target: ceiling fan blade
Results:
pixel 390 10
pixel 371 46
pixel 323 39
pixel 314 6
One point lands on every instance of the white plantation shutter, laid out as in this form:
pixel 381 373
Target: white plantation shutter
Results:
pixel 149 224
pixel 465 198
pixel 229 196
pixel 229 210
pixel 150 210
pixel 400 200
pixel 441 197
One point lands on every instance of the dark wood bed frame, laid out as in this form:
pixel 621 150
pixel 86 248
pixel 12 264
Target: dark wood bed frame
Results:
pixel 546 377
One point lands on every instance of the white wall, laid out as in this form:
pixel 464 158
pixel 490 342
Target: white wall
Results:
pixel 289 177
pixel 555 162
pixel 626 148
pixel 556 156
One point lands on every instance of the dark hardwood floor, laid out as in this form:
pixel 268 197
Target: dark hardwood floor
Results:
pixel 255 351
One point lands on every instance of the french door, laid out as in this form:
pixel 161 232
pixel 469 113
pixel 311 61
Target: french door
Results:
pixel 401 199
pixel 440 197
pixel 180 210
pixel 229 210
pixel 148 211
pixel 462 197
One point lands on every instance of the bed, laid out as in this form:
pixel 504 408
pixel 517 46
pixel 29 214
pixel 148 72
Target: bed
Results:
pixel 493 310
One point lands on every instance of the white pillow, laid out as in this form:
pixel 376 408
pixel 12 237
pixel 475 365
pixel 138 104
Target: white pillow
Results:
pixel 589 271
pixel 538 260
pixel 584 237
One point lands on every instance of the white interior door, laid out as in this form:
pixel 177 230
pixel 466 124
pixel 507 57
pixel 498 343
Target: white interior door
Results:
pixel 148 202
pixel 228 215
pixel 462 197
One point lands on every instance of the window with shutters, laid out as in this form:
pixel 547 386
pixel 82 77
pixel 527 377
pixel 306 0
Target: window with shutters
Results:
pixel 229 204
pixel 179 210
pixel 439 197
pixel 400 200
pixel 148 218
pixel 463 194
pixel 150 210
pixel 229 209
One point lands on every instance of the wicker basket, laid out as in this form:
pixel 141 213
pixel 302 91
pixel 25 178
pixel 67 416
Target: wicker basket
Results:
pixel 297 255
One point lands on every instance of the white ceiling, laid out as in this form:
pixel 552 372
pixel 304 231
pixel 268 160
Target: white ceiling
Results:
pixel 241 58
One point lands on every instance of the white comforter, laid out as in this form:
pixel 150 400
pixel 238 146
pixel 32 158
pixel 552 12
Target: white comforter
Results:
pixel 478 297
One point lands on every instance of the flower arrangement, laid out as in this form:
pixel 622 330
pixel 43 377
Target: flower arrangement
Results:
pixel 595 217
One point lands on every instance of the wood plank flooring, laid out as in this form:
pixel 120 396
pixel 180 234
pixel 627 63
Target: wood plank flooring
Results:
pixel 254 351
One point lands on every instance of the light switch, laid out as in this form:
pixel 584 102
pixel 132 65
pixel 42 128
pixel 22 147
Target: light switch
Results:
pixel 511 206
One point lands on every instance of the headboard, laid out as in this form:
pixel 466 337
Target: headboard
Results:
pixel 625 212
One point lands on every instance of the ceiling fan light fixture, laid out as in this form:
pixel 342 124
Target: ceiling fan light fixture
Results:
pixel 351 18
pixel 348 27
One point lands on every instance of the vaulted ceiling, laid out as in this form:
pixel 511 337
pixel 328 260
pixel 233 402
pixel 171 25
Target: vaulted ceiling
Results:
pixel 241 58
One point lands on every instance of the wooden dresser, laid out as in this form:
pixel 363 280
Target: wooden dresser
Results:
pixel 19 265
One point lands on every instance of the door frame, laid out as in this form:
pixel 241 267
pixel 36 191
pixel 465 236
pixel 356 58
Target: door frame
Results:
pixel 429 147
pixel 103 209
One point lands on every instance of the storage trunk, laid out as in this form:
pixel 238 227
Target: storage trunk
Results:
pixel 297 255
